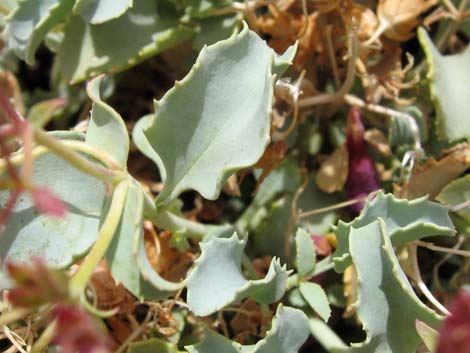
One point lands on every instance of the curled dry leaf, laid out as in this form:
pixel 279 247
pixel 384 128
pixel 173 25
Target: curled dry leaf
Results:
pixel 272 157
pixel 377 140
pixel 366 19
pixel 108 293
pixel 453 163
pixel 231 187
pixel 169 262
pixel 247 321
pixel 398 18
pixel 285 28
pixel 333 172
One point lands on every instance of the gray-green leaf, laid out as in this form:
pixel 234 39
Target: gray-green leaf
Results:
pixel 387 304
pixel 29 23
pixel 106 129
pixel 99 11
pixel 217 279
pixel 405 221
pixel 288 332
pixel 316 298
pixel 450 89
pixel 60 242
pixel 455 193
pixel 146 29
pixel 216 120
pixel 124 249
pixel 305 253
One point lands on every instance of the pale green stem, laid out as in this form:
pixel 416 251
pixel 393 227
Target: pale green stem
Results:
pixel 327 337
pixel 79 281
pixel 322 266
pixel 174 223
pixel 12 316
pixel 77 146
pixel 75 159
pixel 46 337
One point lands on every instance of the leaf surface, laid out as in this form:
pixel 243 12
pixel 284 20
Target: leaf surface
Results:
pixel 106 129
pixel 146 29
pixel 124 254
pixel 455 193
pixel 99 11
pixel 218 114
pixel 152 345
pixel 288 332
pixel 387 304
pixel 450 86
pixel 405 221
pixel 59 241
pixel 306 256
pixel 316 298
pixel 217 279
pixel 29 23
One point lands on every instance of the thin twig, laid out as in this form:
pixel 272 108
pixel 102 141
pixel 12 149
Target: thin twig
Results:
pixel 435 270
pixel 353 54
pixel 331 55
pixel 338 205
pixel 412 253
pixel 443 249
pixel 294 214
pixel 136 333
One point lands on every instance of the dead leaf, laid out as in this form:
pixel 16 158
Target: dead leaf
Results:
pixel 270 160
pixel 169 262
pixel 231 187
pixel 247 321
pixel 399 18
pixel 378 141
pixel 432 176
pixel 350 291
pixel 285 28
pixel 333 172
pixel 108 294
pixel 366 20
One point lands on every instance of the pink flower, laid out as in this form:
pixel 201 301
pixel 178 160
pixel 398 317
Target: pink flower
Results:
pixel 322 246
pixel 454 334
pixel 77 332
pixel 362 176
pixel 36 284
pixel 48 203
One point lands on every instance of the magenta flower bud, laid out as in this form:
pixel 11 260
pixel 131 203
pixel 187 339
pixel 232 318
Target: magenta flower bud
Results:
pixel 454 334
pixel 362 176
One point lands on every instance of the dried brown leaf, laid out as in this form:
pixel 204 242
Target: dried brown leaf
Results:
pixel 432 176
pixel 247 321
pixel 270 160
pixel 350 291
pixel 377 140
pixel 231 187
pixel 333 172
pixel 400 17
